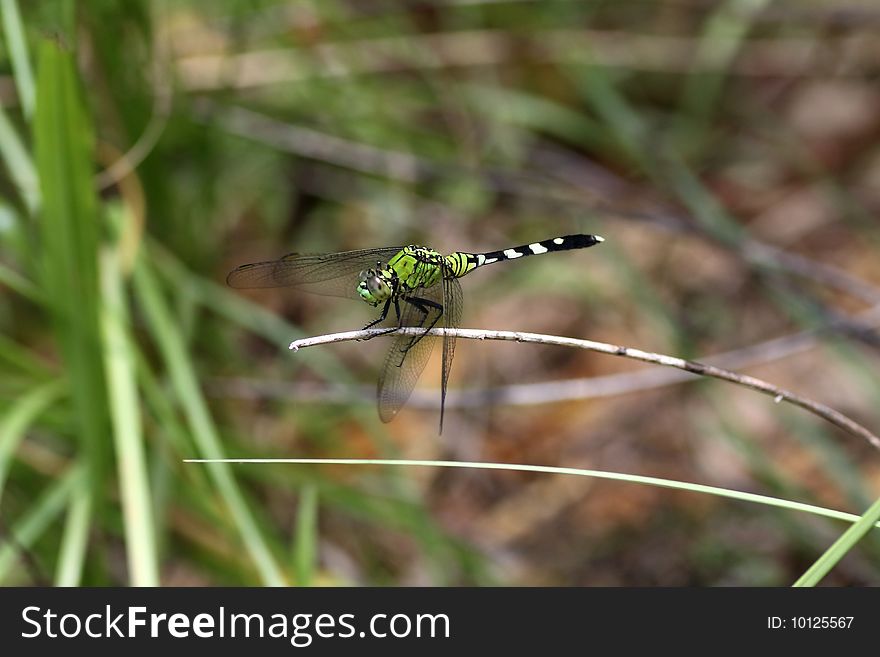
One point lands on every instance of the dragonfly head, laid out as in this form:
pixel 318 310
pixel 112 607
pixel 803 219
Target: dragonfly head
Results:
pixel 376 285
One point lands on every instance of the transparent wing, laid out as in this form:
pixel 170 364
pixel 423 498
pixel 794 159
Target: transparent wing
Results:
pixel 452 303
pixel 408 354
pixel 332 274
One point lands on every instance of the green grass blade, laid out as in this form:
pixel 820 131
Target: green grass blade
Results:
pixel 703 205
pixel 16 46
pixel 19 417
pixel 18 160
pixel 119 359
pixel 624 126
pixel 22 359
pixel 19 163
pixel 15 281
pixel 43 512
pixel 236 309
pixel 207 440
pixel 581 472
pixel 72 551
pixel 840 547
pixel 306 539
pixel 69 232
pixel 722 39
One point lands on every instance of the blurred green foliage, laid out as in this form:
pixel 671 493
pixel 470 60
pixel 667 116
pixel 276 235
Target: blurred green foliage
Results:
pixel 727 152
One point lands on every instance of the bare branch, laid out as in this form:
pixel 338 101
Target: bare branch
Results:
pixel 544 392
pixel 525 394
pixel 779 394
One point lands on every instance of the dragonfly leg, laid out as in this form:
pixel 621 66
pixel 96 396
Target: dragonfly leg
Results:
pixel 381 319
pixel 423 305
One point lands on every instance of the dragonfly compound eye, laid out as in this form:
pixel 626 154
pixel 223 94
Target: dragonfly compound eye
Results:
pixel 373 288
pixel 378 287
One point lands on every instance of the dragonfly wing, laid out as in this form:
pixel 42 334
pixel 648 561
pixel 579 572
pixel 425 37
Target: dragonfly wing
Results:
pixel 332 274
pixel 408 354
pixel 452 302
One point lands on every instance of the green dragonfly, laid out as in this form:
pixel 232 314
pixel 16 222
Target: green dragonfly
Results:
pixel 419 283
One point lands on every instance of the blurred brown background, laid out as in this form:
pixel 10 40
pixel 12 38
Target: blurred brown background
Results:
pixel 727 151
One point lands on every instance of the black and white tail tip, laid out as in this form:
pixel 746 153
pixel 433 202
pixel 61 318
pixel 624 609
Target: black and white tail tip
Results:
pixel 564 243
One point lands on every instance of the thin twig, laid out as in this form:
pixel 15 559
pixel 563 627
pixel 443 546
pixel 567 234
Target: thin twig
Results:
pixel 544 392
pixel 521 394
pixel 779 394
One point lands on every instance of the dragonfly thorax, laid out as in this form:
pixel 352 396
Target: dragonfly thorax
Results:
pixel 376 286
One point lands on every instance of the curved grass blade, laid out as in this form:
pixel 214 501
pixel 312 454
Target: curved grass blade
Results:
pixel 841 547
pixel 42 513
pixel 19 164
pixel 22 413
pixel 205 435
pixel 16 45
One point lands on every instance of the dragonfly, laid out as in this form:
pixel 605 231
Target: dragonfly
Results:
pixel 420 285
